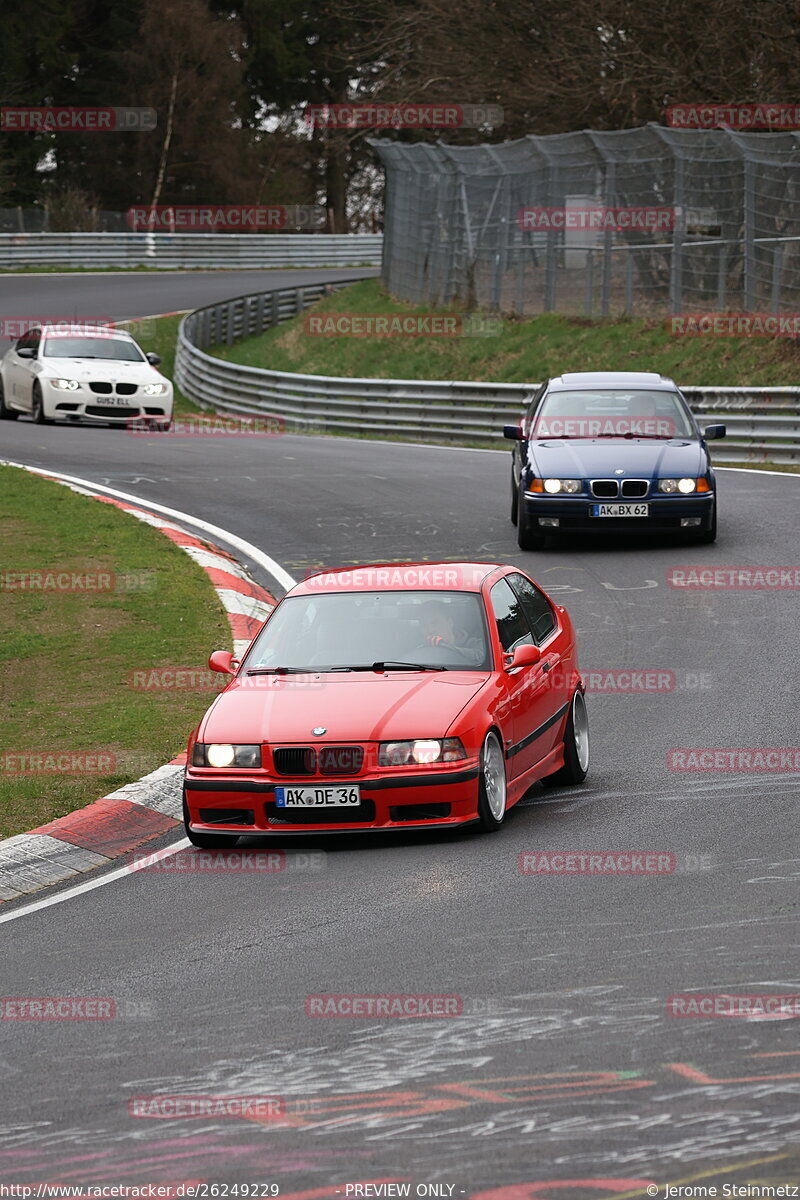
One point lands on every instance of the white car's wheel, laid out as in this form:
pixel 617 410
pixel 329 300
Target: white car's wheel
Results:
pixel 6 414
pixel 37 407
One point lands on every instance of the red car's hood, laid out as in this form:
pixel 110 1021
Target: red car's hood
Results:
pixel 351 708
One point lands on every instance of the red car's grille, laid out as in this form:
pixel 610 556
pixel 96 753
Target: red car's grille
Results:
pixel 318 760
pixel 295 760
pixel 339 760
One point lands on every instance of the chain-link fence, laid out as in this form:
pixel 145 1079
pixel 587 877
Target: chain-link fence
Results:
pixel 646 221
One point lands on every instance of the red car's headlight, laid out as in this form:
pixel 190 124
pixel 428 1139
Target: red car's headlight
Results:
pixel 420 751
pixel 222 754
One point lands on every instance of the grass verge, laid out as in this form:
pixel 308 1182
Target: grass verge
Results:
pixel 523 351
pixel 66 657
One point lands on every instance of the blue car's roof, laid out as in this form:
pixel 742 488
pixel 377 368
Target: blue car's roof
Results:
pixel 612 379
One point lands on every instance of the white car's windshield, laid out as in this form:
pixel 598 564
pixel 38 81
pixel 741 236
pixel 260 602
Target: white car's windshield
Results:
pixel 353 630
pixel 118 349
pixel 614 412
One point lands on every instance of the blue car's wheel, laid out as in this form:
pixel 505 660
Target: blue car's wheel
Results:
pixel 710 534
pixel 527 537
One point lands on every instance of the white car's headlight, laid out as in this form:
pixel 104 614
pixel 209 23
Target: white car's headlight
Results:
pixel 154 389
pixel 554 486
pixel 66 385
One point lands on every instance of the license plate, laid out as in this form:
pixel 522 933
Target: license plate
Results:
pixel 123 401
pixel 620 510
pixel 346 795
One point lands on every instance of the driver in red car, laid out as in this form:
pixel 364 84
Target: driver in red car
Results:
pixel 438 627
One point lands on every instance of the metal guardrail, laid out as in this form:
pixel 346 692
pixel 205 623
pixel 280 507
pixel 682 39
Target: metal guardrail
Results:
pixel 169 251
pixel 763 423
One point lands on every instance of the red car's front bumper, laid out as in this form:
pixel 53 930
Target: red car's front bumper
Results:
pixel 245 806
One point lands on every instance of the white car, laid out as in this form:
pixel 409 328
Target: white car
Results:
pixel 83 373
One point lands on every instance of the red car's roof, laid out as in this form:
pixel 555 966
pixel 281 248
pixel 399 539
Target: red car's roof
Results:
pixel 408 576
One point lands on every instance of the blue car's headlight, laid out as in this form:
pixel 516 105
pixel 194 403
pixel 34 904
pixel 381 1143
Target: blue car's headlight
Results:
pixel 685 486
pixel 554 486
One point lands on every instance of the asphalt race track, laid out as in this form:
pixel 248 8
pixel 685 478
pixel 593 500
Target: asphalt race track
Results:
pixel 121 295
pixel 564 1065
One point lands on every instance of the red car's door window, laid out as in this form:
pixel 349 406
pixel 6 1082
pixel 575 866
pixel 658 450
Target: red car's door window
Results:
pixel 542 619
pixel 527 689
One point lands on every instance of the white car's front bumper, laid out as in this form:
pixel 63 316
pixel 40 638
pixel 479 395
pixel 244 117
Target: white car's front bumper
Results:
pixel 84 404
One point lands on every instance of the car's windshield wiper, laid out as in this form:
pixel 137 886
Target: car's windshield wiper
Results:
pixel 659 437
pixel 283 671
pixel 388 664
pixel 392 664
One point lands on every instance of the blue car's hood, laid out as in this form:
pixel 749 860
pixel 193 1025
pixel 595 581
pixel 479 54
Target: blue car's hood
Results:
pixel 595 458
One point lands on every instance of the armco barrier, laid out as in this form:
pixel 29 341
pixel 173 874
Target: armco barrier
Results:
pixel 168 251
pixel 763 423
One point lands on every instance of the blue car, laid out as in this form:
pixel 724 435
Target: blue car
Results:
pixel 617 451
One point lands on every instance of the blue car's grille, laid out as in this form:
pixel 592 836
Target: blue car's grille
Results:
pixel 605 489
pixel 635 488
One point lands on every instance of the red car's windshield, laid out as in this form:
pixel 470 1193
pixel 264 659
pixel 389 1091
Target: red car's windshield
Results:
pixel 356 629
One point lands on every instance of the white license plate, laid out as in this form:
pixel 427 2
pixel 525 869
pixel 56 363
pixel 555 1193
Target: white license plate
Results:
pixel 345 795
pixel 620 510
pixel 122 401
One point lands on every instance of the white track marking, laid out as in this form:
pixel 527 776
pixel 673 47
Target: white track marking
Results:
pixel 758 471
pixel 147 857
pixel 258 556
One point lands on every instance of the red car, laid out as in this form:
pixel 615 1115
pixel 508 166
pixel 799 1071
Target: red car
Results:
pixel 396 696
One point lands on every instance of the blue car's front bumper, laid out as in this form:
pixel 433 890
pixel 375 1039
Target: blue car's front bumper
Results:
pixel 574 513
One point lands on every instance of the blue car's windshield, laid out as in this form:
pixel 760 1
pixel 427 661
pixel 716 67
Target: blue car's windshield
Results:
pixel 612 412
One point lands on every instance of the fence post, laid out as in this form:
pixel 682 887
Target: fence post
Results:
pixel 676 263
pixel 629 282
pixel 777 276
pixel 608 237
pixel 749 248
pixel 588 302
pixel 722 277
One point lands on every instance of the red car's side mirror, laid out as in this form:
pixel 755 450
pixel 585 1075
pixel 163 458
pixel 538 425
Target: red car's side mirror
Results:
pixel 524 656
pixel 223 661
